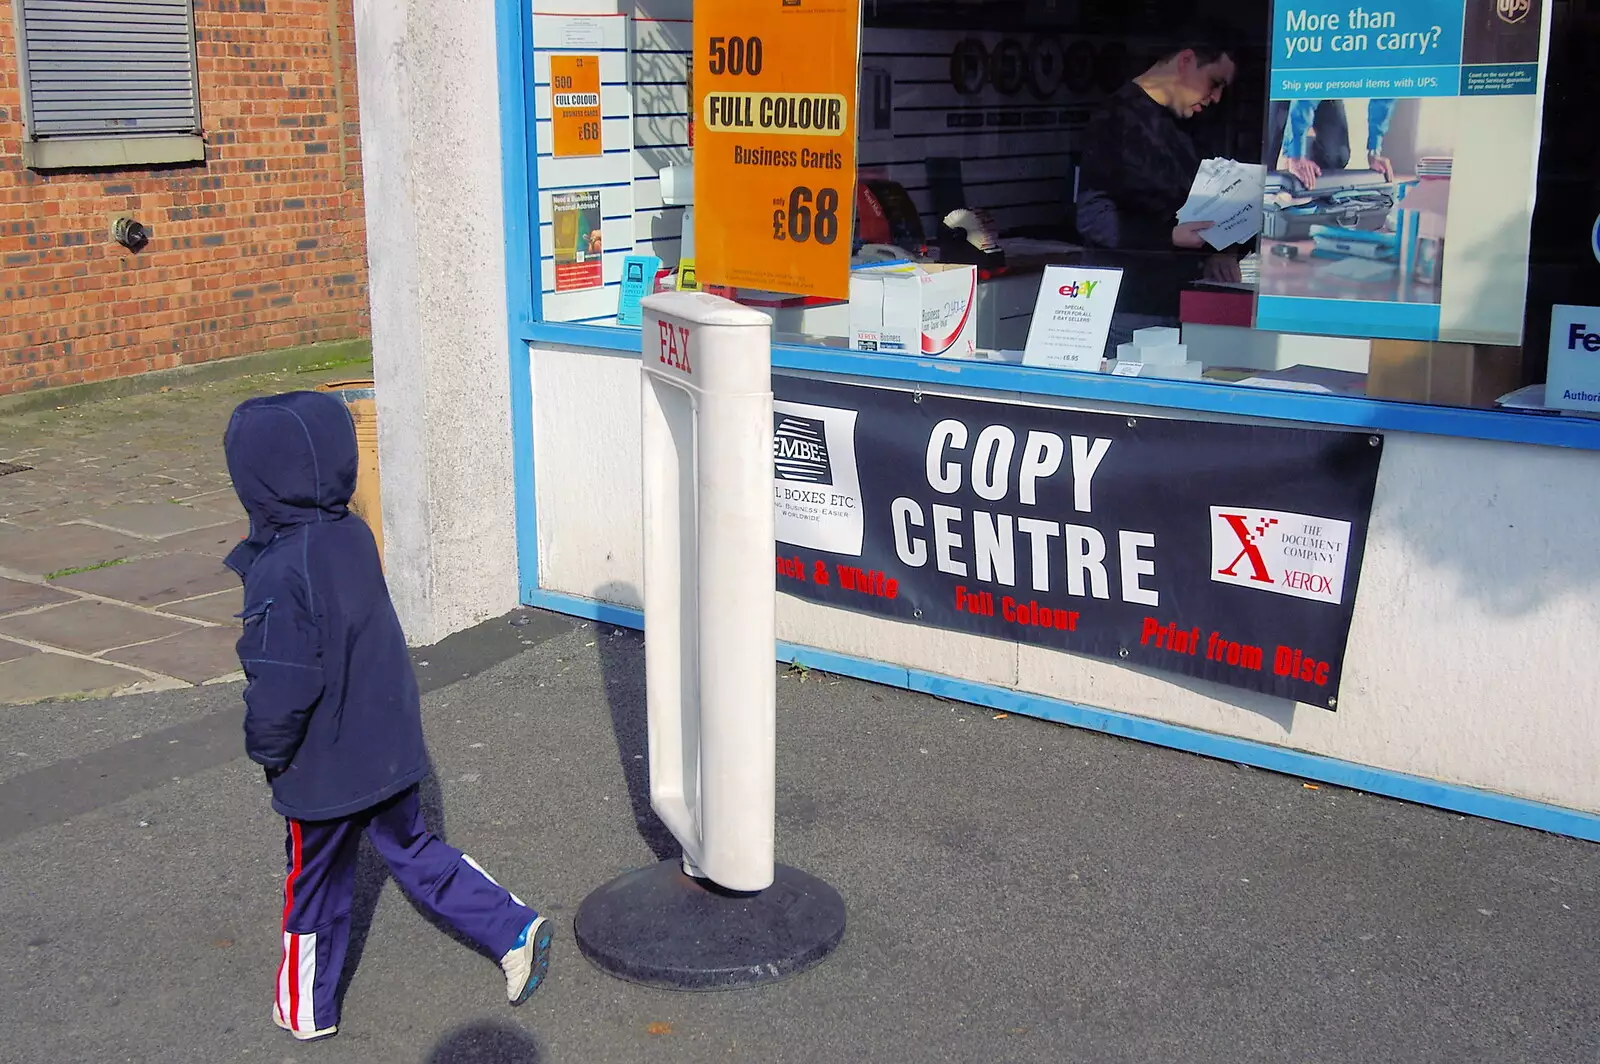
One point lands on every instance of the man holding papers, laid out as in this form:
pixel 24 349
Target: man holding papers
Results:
pixel 1226 198
pixel 1139 168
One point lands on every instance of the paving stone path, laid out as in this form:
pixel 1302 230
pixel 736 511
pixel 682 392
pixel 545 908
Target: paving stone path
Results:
pixel 114 519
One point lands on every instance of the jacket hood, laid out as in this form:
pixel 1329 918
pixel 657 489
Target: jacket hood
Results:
pixel 293 460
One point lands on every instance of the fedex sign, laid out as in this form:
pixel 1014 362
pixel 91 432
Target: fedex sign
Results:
pixel 1578 335
pixel 1573 379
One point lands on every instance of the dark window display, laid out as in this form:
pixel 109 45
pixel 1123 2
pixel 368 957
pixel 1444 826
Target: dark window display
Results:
pixel 1383 200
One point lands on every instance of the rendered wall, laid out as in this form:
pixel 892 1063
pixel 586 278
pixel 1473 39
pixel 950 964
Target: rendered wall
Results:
pixel 1469 659
pixel 436 241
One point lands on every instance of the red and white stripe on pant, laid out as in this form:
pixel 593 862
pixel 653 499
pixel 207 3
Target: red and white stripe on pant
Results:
pixel 295 1000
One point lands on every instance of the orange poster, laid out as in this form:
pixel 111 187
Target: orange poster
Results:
pixel 775 143
pixel 575 105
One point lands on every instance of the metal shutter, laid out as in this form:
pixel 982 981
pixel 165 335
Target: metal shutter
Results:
pixel 109 67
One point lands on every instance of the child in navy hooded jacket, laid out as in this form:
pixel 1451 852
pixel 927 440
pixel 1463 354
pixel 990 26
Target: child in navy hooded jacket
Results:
pixel 333 714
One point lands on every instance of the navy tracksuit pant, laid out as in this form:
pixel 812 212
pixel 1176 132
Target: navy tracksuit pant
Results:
pixel 321 884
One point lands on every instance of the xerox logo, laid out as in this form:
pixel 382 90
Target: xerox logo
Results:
pixel 800 449
pixel 1285 553
pixel 1513 11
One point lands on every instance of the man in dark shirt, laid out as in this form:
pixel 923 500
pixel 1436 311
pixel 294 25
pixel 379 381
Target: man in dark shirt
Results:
pixel 1138 166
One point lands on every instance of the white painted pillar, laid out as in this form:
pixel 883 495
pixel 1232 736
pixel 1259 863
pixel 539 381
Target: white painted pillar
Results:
pixel 430 146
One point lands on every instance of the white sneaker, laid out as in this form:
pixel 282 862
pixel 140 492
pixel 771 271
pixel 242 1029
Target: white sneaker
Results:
pixel 528 962
pixel 304 1036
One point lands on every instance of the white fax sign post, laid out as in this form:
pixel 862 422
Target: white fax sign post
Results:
pixel 710 594
pixel 727 915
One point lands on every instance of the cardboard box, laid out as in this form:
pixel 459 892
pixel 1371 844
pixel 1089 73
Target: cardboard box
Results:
pixel 924 309
pixel 1422 371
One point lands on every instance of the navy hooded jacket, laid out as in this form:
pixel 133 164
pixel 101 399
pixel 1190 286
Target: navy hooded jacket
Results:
pixel 331 707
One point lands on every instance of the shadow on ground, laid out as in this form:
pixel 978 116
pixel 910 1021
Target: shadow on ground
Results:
pixel 622 672
pixel 486 1042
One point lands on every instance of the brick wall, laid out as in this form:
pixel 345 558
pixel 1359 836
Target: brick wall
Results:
pixel 260 247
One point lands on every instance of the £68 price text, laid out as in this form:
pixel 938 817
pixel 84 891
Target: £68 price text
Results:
pixel 807 216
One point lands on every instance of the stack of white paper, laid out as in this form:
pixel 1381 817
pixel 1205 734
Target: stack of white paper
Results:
pixel 1227 194
pixel 1156 352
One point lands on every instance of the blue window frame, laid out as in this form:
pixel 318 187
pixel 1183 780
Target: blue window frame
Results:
pixel 523 259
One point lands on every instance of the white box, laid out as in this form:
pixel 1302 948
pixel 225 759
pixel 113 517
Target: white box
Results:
pixel 1165 355
pixel 1181 371
pixel 1573 379
pixel 914 309
pixel 1156 336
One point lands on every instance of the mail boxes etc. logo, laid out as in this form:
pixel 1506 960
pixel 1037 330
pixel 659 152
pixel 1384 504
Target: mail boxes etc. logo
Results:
pixel 1076 289
pixel 800 449
pixel 1284 553
pixel 816 491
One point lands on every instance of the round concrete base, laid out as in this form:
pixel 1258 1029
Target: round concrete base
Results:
pixel 659 927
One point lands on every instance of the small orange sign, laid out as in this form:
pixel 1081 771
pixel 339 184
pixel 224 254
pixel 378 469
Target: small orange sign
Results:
pixel 575 105
pixel 775 146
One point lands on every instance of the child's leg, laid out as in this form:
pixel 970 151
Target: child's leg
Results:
pixel 316 923
pixel 445 881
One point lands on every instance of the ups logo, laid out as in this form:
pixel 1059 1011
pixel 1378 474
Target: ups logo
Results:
pixel 1513 11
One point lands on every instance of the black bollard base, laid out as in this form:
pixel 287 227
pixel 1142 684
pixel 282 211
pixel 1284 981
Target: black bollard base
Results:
pixel 659 927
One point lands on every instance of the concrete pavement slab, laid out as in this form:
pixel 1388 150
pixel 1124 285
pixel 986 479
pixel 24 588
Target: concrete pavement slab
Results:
pixel 54 512
pixel 150 466
pixel 213 542
pixel 154 520
pixel 221 608
pixel 11 651
pixel 40 551
pixel 39 676
pixel 155 581
pixel 222 499
pixel 195 656
pixel 21 595
pixel 89 627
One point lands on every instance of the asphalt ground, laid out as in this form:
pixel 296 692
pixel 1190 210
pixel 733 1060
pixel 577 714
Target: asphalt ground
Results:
pixel 1017 891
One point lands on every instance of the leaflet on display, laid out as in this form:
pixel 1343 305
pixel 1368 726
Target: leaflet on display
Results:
pixel 1072 318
